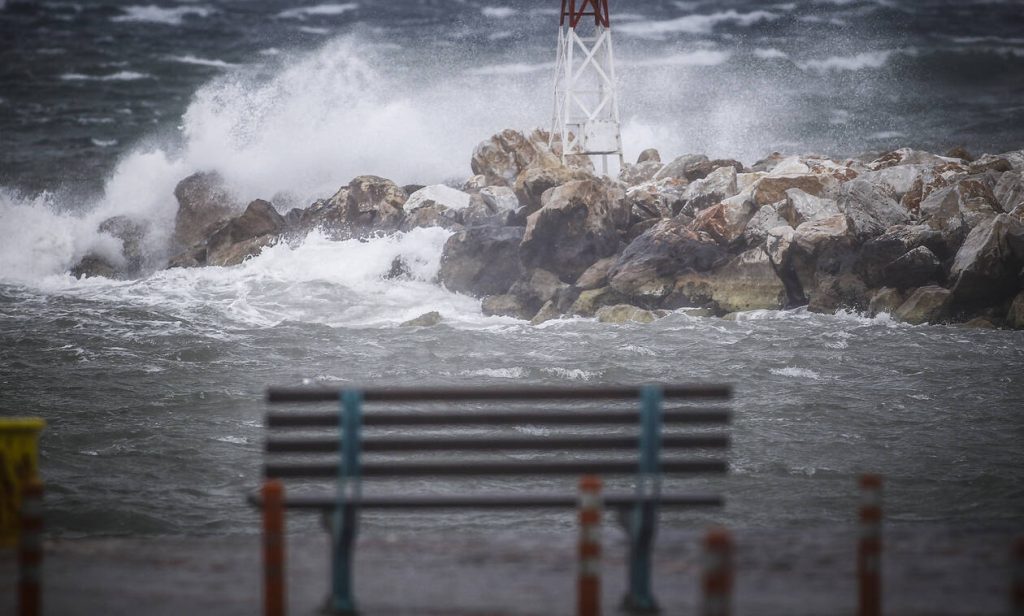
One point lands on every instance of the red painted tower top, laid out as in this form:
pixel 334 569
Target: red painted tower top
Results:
pixel 576 10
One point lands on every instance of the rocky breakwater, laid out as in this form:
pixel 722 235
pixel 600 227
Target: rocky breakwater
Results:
pixel 926 238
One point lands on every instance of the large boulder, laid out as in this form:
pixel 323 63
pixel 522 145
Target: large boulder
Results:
pixel 631 175
pixel 482 260
pixel 204 203
pixel 647 269
pixel 506 305
pixel 800 207
pixel 245 235
pixel 124 261
pixel 878 253
pixel 918 267
pixel 596 275
pixel 772 188
pixel 869 209
pixel 718 185
pixel 435 206
pixel 956 209
pixel 1009 190
pixel 929 304
pixel 624 313
pixel 1015 316
pixel 574 229
pixel 885 301
pixel 987 267
pixel 539 287
pixel 503 157
pixel 907 156
pixel 746 282
pixel 590 301
pixel 374 203
pixel 687 167
pixel 763 221
pixel 726 221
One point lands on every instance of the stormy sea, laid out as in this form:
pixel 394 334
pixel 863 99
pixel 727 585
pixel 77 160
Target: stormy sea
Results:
pixel 152 385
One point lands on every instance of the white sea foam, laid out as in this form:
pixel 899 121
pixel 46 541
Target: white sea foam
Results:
pixel 770 53
pixel 161 15
pixel 800 373
pixel 118 76
pixel 103 143
pixel 498 373
pixel 856 62
pixel 498 12
pixel 190 59
pixel 699 57
pixel 320 10
pixel 693 24
pixel 572 374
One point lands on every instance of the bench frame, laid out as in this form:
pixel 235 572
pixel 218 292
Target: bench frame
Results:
pixel 638 511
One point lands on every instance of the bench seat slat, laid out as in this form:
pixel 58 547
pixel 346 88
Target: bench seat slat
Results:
pixel 329 419
pixel 483 501
pixel 323 394
pixel 489 443
pixel 283 470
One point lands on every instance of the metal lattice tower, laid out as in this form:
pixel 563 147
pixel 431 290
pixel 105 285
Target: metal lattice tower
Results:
pixel 586 116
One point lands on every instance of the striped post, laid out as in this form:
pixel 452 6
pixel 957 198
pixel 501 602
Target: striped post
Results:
pixel 718 573
pixel 30 549
pixel 1017 583
pixel 273 548
pixel 869 552
pixel 589 584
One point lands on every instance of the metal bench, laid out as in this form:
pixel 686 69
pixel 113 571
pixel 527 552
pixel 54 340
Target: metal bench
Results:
pixel 621 427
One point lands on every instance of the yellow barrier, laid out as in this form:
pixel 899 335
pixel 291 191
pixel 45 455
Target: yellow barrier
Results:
pixel 19 462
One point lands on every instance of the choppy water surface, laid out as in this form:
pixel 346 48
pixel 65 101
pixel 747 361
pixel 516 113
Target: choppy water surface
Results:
pixel 152 389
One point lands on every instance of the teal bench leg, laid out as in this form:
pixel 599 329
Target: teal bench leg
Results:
pixel 346 511
pixel 639 598
pixel 342 598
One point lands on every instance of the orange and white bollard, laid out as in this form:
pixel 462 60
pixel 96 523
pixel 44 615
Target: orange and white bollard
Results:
pixel 273 548
pixel 589 585
pixel 1017 581
pixel 30 550
pixel 869 551
pixel 718 573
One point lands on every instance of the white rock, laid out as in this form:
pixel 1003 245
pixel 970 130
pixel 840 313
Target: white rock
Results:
pixel 439 194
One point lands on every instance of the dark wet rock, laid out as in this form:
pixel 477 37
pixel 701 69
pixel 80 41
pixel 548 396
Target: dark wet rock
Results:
pixel 244 236
pixel 505 305
pixel 652 200
pixel 409 189
pixel 482 260
pixel 374 203
pixel 702 193
pixel 92 266
pixel 897 241
pixel 624 313
pixel 833 292
pixel 204 203
pixel 987 267
pixel 1015 316
pixel 649 265
pixel 768 163
pixel 687 167
pixel 539 287
pixel 648 155
pixel 588 302
pixel 869 209
pixel 428 319
pixel 576 228
pixel 918 267
pixel 596 275
pixel 925 305
pixel 989 163
pixel 960 152
pixel 886 300
pixel 746 282
pixel 548 312
pixel 981 323
pixel 631 175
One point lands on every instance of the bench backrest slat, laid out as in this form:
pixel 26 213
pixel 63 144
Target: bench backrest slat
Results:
pixel 289 394
pixel 298 419
pixel 492 443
